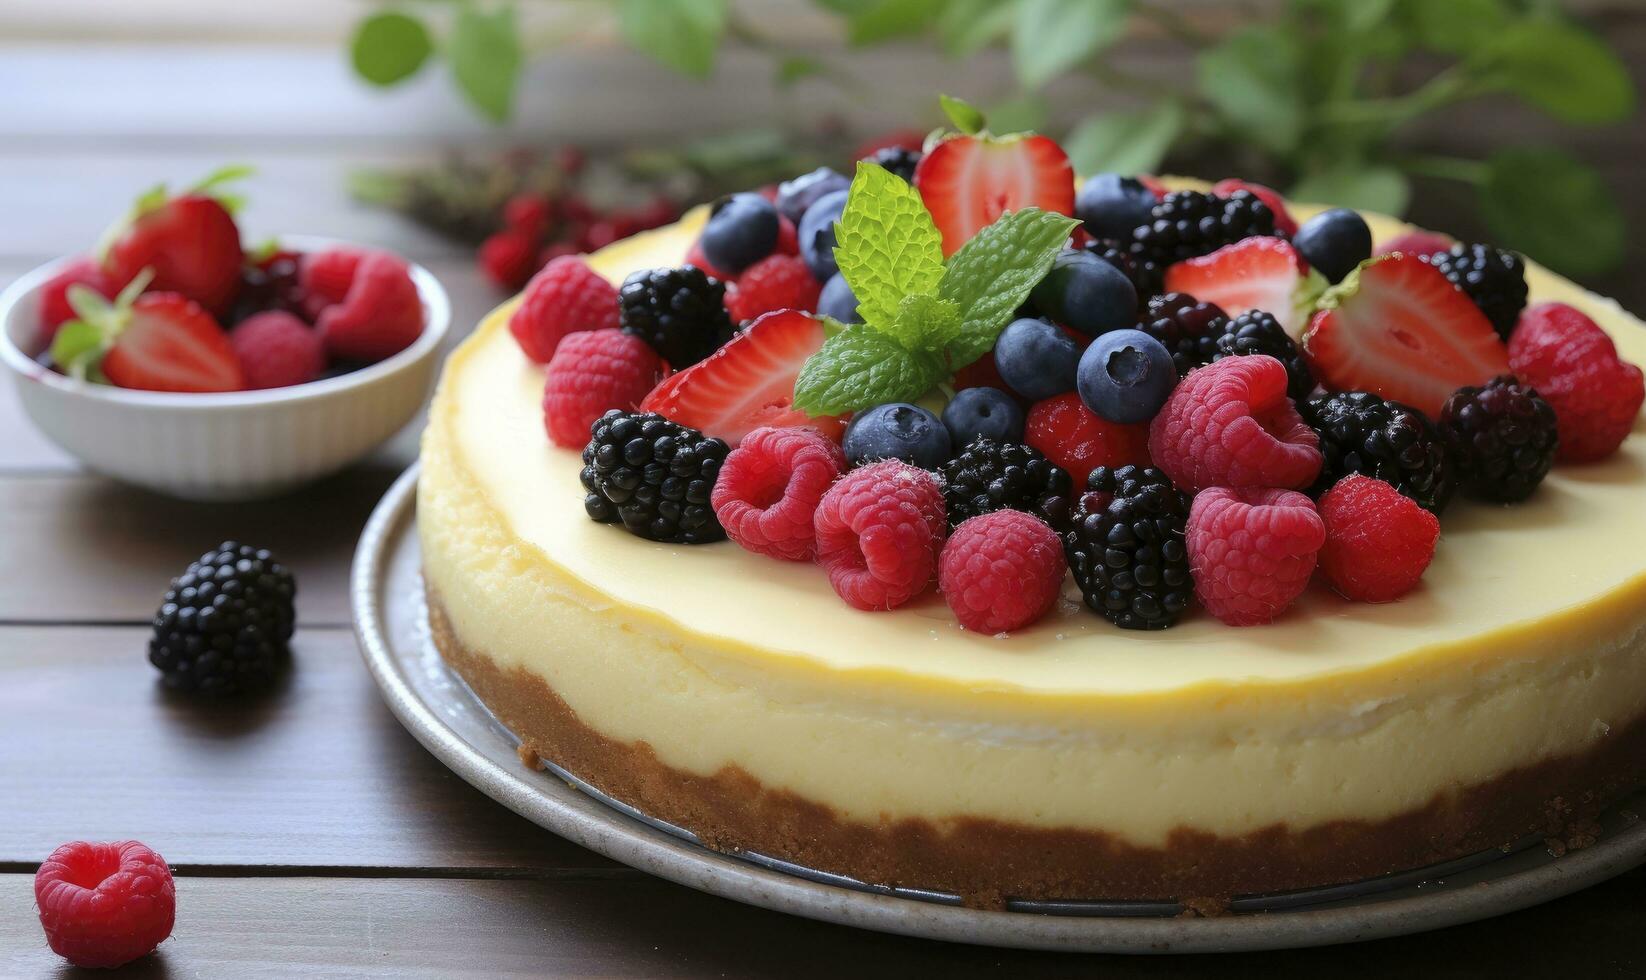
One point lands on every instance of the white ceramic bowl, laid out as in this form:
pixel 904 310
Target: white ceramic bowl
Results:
pixel 230 446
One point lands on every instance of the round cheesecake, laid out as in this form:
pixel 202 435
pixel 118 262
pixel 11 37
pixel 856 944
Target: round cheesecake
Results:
pixel 738 697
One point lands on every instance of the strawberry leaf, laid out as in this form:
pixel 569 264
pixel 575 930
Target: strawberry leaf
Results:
pixel 887 245
pixel 77 347
pixel 992 274
pixel 860 368
pixel 965 116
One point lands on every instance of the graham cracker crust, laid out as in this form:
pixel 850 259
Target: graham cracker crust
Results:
pixel 986 861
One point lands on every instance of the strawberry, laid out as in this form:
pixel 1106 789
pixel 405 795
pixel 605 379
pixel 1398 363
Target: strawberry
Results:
pixel 748 383
pixel 969 181
pixel 1398 328
pixel 381 315
pixel 190 241
pixel 1284 222
pixel 1258 273
pixel 1077 439
pixel 153 341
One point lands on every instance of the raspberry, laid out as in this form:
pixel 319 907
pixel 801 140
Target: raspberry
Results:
pixel 1378 541
pixel 1001 571
pixel 324 277
pixel 104 905
pixel 1417 242
pixel 776 282
pixel 1252 551
pixel 508 258
pixel 1573 364
pixel 788 239
pixel 879 530
pixel 769 488
pixel 381 315
pixel 566 296
pixel 527 213
pixel 277 349
pixel 1230 424
pixel 592 372
pixel 1075 438
pixel 54 295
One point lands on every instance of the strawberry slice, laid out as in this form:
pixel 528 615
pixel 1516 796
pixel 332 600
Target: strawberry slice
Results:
pixel 969 181
pixel 1259 273
pixel 171 344
pixel 748 383
pixel 1398 328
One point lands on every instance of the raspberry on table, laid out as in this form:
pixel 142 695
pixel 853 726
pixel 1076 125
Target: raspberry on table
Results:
pixel 769 489
pixel 1504 436
pixel 1252 551
pixel 776 282
pixel 1378 541
pixel 879 530
pixel 1074 437
pixel 1125 547
pixel 1573 364
pixel 1001 571
pixel 653 475
pixel 989 476
pixel 592 372
pixel 566 296
pixel 103 905
pixel 1230 424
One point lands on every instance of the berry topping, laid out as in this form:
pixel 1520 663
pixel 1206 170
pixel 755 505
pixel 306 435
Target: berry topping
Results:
pixel 1494 278
pixel 1230 424
pixel 897 430
pixel 879 531
pixel 1398 328
pixel 1256 274
pixel 1126 549
pixel 565 297
pixel 817 234
pixel 1285 224
pixel 1180 322
pixel 1257 332
pixel 1111 206
pixel 795 196
pixel 1417 242
pixel 272 279
pixel 1001 571
pixel 1504 437
pixel 508 258
pixel 1378 541
pixel 1145 273
pixel 591 373
pixel 1252 551
pixel 899 160
pixel 276 349
pixel 1036 359
pixel 769 489
pixel 151 341
pixel 742 229
pixel 1083 291
pixel 190 243
pixel 1190 223
pixel 224 624
pixel 837 301
pixel 1075 438
pixel 680 312
pixel 989 476
pixel 696 259
pixel 1334 242
pixel 1361 433
pixel 1574 365
pixel 324 277
pixel 103 905
pixel 1125 376
pixel 54 299
pixel 776 282
pixel 380 316
pixel 969 181
pixel 654 476
pixel 982 413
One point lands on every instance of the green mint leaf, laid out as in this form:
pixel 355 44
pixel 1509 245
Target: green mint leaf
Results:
pixel 1126 142
pixel 923 322
pixel 389 47
pixel 679 34
pixel 1565 71
pixel 963 114
pixel 1049 37
pixel 486 58
pixel 861 368
pixel 76 346
pixel 886 244
pixel 1553 208
pixel 991 275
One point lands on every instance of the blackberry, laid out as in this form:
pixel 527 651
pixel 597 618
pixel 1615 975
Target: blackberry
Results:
pixel 988 476
pixel 1504 438
pixel 1190 223
pixel 900 160
pixel 1361 433
pixel 1494 278
pixel 680 312
pixel 1125 547
pixel 654 476
pixel 224 625
pixel 1257 332
pixel 1144 272
pixel 270 285
pixel 1180 322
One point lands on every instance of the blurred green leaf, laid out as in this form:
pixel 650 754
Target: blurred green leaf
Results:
pixel 963 114
pixel 794 69
pixel 486 58
pixel 889 19
pixel 1455 26
pixel 1125 142
pixel 1018 115
pixel 1563 70
pixel 965 27
pixel 388 47
pixel 1051 36
pixel 1252 79
pixel 680 34
pixel 1362 186
pixel 1553 208
pixel 1363 15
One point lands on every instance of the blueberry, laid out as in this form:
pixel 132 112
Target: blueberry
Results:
pixel 742 229
pixel 982 413
pixel 817 234
pixel 1111 205
pixel 1037 360
pixel 1334 242
pixel 1125 376
pixel 837 300
pixel 795 196
pixel 1084 292
pixel 897 431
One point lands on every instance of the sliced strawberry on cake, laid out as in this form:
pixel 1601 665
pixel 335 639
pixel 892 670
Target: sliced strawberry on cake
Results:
pixel 1259 273
pixel 969 181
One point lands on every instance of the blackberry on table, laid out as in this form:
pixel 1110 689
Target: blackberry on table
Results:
pixel 900 160
pixel 1180 322
pixel 1361 433
pixel 1494 278
pixel 1187 224
pixel 1145 273
pixel 680 312
pixel 654 476
pixel 1257 332
pixel 1504 437
pixel 988 476
pixel 1125 547
pixel 225 623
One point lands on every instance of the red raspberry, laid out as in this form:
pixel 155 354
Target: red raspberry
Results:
pixel 1001 571
pixel 1251 551
pixel 527 213
pixel 277 349
pixel 324 277
pixel 788 239
pixel 104 905
pixel 879 530
pixel 509 258
pixel 1077 439
pixel 1573 364
pixel 1417 242
pixel 567 296
pixel 54 295
pixel 776 282
pixel 695 257
pixel 769 487
pixel 592 372
pixel 1230 424
pixel 1378 541
pixel 381 315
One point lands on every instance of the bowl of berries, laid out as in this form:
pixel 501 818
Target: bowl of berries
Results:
pixel 177 359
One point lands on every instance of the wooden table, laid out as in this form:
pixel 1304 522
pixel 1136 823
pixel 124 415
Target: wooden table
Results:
pixel 308 831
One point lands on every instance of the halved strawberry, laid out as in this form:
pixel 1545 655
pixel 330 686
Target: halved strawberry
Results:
pixel 1398 328
pixel 969 181
pixel 748 383
pixel 1259 273
pixel 1284 222
pixel 153 341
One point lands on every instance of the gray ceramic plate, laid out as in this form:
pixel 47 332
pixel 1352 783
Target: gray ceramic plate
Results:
pixel 439 709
